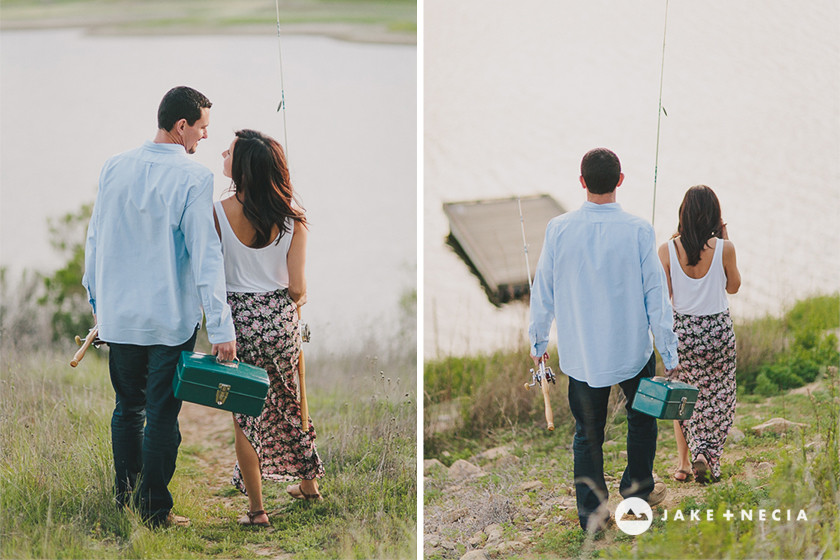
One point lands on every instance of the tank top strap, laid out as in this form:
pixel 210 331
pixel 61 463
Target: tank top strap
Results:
pixel 717 264
pixel 224 224
pixel 717 258
pixel 672 257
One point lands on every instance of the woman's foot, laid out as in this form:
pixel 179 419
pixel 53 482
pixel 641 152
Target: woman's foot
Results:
pixel 304 490
pixel 255 519
pixel 700 466
pixel 683 472
pixel 683 475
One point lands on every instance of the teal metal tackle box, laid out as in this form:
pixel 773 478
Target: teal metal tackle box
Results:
pixel 665 399
pixel 232 386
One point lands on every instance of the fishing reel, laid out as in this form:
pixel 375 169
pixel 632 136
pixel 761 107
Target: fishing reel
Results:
pixel 305 333
pixel 97 342
pixel 543 373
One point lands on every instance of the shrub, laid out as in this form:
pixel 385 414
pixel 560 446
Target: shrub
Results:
pixel 64 293
pixel 781 354
pixel 759 342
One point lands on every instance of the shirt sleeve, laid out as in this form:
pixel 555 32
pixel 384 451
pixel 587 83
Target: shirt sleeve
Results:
pixel 205 252
pixel 657 304
pixel 89 276
pixel 542 299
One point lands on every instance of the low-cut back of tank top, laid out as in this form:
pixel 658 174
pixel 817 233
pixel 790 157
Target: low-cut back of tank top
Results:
pixel 254 270
pixel 699 296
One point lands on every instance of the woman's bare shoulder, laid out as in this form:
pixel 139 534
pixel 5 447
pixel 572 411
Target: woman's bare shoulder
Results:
pixel 728 247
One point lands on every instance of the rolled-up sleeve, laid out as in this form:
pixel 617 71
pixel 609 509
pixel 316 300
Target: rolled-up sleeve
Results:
pixel 205 252
pixel 89 276
pixel 542 300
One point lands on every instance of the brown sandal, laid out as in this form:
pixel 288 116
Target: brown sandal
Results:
pixel 248 520
pixel 688 475
pixel 701 469
pixel 295 491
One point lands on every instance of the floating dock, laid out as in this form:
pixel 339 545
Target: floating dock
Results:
pixel 488 236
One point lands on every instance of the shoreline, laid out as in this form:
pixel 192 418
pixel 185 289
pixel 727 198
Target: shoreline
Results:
pixel 357 23
pixel 352 33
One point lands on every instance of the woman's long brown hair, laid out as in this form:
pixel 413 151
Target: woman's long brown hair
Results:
pixel 260 173
pixel 699 221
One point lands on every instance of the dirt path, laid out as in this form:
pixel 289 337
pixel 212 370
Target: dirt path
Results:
pixel 209 433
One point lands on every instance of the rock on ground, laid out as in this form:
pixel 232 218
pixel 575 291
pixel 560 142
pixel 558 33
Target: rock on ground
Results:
pixel 431 466
pixel 529 486
pixel 494 453
pixel 777 426
pixel 463 469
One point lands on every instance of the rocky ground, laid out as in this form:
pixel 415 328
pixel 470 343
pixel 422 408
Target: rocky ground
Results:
pixel 518 499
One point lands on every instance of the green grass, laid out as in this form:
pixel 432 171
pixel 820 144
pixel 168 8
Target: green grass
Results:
pixel 803 473
pixel 56 471
pixel 774 354
pixel 796 470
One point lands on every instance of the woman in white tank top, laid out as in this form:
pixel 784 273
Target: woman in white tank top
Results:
pixel 263 234
pixel 700 265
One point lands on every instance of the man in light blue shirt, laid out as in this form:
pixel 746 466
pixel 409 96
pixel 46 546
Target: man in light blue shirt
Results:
pixel 152 262
pixel 600 279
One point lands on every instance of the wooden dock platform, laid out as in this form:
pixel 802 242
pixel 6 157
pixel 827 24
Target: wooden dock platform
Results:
pixel 488 236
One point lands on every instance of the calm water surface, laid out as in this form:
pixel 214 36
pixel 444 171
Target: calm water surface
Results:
pixel 69 101
pixel 516 93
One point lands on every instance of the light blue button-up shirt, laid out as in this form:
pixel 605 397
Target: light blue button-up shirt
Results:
pixel 600 279
pixel 153 259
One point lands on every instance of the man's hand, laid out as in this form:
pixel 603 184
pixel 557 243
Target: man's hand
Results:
pixel 671 372
pixel 538 360
pixel 226 351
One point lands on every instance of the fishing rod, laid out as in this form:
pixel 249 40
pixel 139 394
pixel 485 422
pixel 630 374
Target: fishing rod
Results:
pixel 281 107
pixel 659 115
pixel 303 327
pixel 92 338
pixel 543 372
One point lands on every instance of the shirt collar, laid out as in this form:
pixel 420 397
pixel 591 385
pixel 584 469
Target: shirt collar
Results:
pixel 164 148
pixel 609 207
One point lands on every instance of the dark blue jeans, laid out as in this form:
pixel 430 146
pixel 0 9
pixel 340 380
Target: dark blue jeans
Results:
pixel 144 427
pixel 589 407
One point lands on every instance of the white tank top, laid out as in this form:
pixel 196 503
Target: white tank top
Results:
pixel 254 270
pixel 699 296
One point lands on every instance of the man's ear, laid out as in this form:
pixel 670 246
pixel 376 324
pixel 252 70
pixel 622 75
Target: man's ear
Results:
pixel 582 182
pixel 181 125
pixel 620 180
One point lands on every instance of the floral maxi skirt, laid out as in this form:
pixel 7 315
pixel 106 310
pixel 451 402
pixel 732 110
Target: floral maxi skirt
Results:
pixel 707 361
pixel 267 336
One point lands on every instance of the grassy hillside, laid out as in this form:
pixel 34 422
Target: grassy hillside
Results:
pixel 56 469
pixel 517 499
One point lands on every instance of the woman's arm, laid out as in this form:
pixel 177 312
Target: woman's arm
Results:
pixel 730 267
pixel 296 261
pixel 665 259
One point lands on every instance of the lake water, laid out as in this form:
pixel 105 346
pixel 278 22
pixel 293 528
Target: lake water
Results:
pixel 517 92
pixel 69 101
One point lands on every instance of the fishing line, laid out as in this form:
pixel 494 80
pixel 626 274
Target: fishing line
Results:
pixel 659 115
pixel 543 375
pixel 524 241
pixel 282 105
